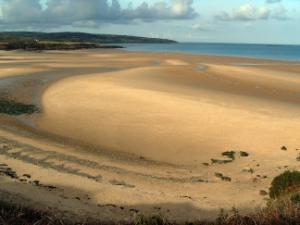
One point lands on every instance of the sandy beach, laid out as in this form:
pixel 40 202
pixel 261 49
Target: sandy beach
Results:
pixel 123 133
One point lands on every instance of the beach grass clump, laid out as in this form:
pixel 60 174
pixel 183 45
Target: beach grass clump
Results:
pixel 284 213
pixel 149 220
pixel 263 193
pixel 222 177
pixel 229 154
pixel 285 183
pixel 284 148
pixel 220 161
pixel 244 154
pixel 11 107
pixel 248 170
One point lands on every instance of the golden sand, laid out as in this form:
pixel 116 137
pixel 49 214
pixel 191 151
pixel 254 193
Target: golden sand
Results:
pixel 141 139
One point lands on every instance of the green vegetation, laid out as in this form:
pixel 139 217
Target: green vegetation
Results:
pixel 263 193
pixel 220 161
pixel 222 177
pixel 295 198
pixel 68 40
pixel 34 45
pixel 279 211
pixel 10 214
pixel 149 220
pixel 284 148
pixel 285 183
pixel 244 154
pixel 229 154
pixel 287 214
pixel 248 170
pixel 79 37
pixel 14 108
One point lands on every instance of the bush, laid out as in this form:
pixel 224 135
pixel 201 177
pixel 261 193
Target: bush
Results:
pixel 287 182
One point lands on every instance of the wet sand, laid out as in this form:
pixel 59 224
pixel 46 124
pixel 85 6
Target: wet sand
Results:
pixel 124 133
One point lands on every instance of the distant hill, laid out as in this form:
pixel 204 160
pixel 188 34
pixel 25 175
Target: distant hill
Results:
pixel 80 37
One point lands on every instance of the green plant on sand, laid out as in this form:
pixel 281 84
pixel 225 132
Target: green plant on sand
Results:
pixel 11 107
pixel 287 182
pixel 229 154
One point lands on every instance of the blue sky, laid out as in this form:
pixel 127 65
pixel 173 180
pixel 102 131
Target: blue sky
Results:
pixel 242 21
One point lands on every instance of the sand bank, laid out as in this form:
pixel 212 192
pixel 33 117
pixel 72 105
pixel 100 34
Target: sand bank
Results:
pixel 142 137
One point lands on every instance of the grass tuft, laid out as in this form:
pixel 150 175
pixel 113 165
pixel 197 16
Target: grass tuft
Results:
pixel 149 220
pixel 244 154
pixel 279 211
pixel 220 161
pixel 229 154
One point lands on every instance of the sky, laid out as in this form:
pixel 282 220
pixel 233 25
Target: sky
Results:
pixel 226 21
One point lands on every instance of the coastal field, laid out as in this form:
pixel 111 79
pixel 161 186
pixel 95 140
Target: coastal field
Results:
pixel 112 134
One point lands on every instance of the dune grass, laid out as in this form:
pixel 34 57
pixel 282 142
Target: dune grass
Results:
pixel 282 209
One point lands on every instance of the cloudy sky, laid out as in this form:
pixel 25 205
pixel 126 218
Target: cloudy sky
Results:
pixel 242 21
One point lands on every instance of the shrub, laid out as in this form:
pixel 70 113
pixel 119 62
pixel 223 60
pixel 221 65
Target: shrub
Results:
pixel 288 181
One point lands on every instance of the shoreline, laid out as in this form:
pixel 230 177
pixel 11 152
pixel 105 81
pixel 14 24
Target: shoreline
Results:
pixel 245 56
pixel 175 84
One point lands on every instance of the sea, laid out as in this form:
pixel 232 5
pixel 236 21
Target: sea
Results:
pixel 261 51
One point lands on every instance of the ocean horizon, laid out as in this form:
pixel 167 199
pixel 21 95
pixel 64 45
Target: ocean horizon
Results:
pixel 260 51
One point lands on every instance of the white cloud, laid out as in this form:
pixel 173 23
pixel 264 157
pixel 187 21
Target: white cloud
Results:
pixel 202 27
pixel 20 11
pixel 280 13
pixel 90 12
pixel 272 1
pixel 248 12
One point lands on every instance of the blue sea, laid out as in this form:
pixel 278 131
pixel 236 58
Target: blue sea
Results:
pixel 263 51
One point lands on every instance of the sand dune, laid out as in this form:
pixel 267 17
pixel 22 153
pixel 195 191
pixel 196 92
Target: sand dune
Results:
pixel 143 138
